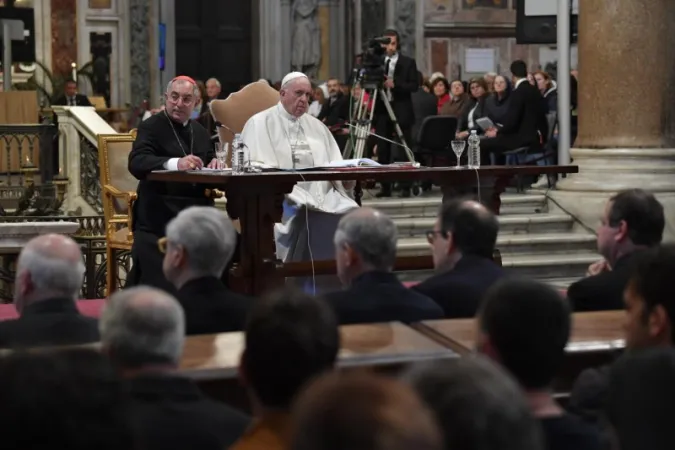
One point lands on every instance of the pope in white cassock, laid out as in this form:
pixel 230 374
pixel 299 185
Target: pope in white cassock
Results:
pixel 286 137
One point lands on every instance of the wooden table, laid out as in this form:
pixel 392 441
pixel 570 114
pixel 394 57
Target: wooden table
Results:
pixel 596 338
pixel 256 200
pixel 212 360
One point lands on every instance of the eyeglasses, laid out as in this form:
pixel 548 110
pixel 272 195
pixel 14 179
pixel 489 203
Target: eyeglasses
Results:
pixel 187 99
pixel 431 235
pixel 162 244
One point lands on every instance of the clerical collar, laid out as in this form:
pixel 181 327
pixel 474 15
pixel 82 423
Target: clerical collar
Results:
pixel 285 113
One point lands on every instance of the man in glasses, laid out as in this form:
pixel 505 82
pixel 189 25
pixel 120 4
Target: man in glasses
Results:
pixel 168 140
pixel 462 243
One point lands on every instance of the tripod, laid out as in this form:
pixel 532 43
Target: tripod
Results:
pixel 364 119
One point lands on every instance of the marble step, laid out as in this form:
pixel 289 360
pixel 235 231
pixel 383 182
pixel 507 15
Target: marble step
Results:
pixel 516 244
pixel 427 205
pixel 514 224
pixel 553 269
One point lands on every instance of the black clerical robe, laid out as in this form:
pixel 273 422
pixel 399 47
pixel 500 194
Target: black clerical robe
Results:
pixel 158 202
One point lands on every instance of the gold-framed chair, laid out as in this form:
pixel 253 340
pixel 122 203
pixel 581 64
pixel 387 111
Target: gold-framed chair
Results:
pixel 238 107
pixel 118 189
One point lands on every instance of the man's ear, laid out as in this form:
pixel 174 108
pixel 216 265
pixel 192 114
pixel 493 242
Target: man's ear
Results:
pixel 622 231
pixel 352 256
pixel 658 322
pixel 450 242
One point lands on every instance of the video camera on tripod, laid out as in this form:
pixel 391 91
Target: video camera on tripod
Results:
pixel 372 70
pixel 370 76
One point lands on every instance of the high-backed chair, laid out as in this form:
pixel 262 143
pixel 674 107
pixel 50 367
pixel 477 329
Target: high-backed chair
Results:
pixel 235 110
pixel 118 189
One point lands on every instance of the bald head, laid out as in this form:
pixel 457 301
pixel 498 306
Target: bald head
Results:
pixel 143 326
pixel 369 239
pixel 49 266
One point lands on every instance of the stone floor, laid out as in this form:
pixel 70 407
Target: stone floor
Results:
pixel 532 241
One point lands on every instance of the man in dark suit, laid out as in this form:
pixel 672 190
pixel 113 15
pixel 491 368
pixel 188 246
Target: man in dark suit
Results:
pixel 168 140
pixel 365 252
pixel 200 242
pixel 71 97
pixel 525 124
pixel 462 243
pixel 632 222
pixel 143 332
pixel 335 112
pixel 401 81
pixel 48 280
pixel 424 105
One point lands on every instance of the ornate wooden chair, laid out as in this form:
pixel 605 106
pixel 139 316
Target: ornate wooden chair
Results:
pixel 118 189
pixel 235 110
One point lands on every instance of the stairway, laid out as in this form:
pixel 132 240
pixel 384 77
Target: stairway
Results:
pixel 533 242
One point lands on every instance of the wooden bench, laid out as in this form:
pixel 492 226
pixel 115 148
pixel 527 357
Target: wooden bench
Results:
pixel 212 360
pixel 596 339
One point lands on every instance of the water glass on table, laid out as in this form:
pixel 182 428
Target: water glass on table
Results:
pixel 458 148
pixel 221 154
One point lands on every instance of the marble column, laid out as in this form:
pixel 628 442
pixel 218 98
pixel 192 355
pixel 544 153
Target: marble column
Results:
pixel 286 35
pixel 626 107
pixel 323 14
pixel 338 38
pixel 390 11
pixel 139 50
pixel 271 41
pixel 167 16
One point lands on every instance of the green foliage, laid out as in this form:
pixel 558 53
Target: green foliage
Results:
pixel 54 84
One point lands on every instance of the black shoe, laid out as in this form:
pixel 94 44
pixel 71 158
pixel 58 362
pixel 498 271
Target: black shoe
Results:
pixel 383 194
pixel 416 190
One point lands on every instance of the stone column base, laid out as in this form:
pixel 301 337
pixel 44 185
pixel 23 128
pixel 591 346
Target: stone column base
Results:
pixel 603 172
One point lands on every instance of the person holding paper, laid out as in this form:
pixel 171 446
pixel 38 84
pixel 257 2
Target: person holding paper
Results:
pixel 286 137
pixel 169 140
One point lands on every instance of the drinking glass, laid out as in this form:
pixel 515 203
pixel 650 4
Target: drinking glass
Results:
pixel 458 148
pixel 221 154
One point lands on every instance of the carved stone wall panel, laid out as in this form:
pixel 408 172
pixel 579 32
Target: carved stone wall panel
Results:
pixel 481 11
pixel 64 35
pixel 373 19
pixel 405 25
pixel 140 60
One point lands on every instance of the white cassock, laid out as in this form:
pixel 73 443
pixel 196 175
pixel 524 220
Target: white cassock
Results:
pixel 313 209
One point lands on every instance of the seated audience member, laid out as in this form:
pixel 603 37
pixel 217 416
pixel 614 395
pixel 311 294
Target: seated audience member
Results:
pixel 49 275
pixel 474 109
pixel 477 406
pixel 525 124
pixel 362 411
pixel 649 323
pixel 335 112
pixel 548 89
pixel 441 90
pixel 633 221
pixel 497 103
pixel 365 253
pixel 320 96
pixel 71 96
pixel 458 100
pixel 524 326
pixel 642 400
pixel 290 338
pixel 62 400
pixel 424 105
pixel 462 243
pixel 199 243
pixel 490 79
pixel 142 330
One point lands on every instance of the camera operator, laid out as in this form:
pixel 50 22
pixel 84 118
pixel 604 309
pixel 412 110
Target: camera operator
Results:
pixel 401 80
